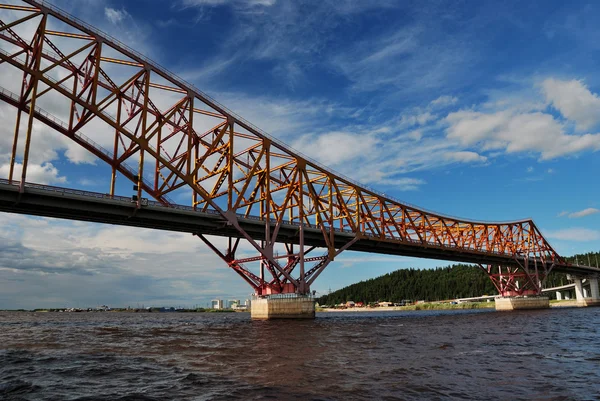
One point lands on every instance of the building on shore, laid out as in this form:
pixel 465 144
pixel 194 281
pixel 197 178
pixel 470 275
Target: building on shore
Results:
pixel 233 303
pixel 217 304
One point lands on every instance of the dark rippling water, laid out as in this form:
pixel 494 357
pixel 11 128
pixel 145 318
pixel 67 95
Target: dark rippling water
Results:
pixel 480 355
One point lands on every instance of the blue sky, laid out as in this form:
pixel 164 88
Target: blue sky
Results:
pixel 484 110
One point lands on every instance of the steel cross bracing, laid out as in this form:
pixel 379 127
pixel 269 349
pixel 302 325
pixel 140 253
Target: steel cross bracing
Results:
pixel 179 139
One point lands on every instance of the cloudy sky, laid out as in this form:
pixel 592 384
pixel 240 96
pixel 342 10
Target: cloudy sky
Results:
pixel 484 110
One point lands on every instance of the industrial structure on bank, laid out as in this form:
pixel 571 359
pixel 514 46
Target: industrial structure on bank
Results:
pixel 165 137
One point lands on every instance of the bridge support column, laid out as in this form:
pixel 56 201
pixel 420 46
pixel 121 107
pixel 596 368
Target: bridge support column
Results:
pixel 585 298
pixel 526 302
pixel 558 296
pixel 582 295
pixel 285 296
pixel 595 292
pixel 284 306
pixel 579 291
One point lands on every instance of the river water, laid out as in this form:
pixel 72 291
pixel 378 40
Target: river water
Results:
pixel 433 355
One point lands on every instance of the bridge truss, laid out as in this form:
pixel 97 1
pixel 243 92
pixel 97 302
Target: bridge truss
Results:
pixel 179 140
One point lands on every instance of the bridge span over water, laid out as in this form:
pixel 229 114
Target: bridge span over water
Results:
pixel 146 126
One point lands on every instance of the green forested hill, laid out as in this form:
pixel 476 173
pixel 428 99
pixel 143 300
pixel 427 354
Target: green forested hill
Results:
pixel 456 281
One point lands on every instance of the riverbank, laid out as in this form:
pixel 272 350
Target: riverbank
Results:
pixel 424 306
pixel 442 306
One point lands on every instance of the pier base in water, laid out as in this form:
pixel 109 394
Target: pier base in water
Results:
pixel 515 303
pixel 285 306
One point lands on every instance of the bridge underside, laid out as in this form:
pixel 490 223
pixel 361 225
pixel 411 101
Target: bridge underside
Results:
pixel 101 208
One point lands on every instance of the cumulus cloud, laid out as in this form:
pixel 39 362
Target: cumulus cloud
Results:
pixel 336 147
pixel 512 132
pixel 121 264
pixel 44 173
pixel 574 101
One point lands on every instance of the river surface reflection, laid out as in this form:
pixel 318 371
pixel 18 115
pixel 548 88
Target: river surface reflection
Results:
pixel 435 355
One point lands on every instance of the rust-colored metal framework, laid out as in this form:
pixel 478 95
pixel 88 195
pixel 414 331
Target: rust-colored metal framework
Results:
pixel 179 139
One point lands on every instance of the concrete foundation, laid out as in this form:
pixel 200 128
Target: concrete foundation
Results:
pixel 515 303
pixel 296 307
pixel 585 297
pixel 588 302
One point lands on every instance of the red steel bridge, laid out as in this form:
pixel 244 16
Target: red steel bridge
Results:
pixel 147 126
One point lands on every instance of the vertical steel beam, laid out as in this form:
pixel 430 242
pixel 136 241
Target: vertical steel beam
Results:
pixel 98 55
pixel 157 161
pixel 38 56
pixel 13 156
pixel 302 282
pixel 113 176
pixel 190 133
pixel 196 173
pixel 143 135
pixel 230 169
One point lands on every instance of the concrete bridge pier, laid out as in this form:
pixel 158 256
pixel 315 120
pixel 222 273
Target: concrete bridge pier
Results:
pixel 522 302
pixel 583 296
pixel 282 306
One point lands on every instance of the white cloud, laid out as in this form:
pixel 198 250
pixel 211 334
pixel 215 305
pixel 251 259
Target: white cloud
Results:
pixel 417 119
pixel 512 132
pixel 115 16
pixel 335 148
pixel 235 3
pixel 443 101
pixel 405 184
pixel 45 173
pixel 574 234
pixel 415 135
pixel 465 157
pixel 574 101
pixel 76 154
pixel 585 212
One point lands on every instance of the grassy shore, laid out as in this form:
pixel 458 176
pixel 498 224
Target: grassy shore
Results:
pixel 425 306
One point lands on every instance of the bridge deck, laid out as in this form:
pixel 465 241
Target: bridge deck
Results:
pixel 72 204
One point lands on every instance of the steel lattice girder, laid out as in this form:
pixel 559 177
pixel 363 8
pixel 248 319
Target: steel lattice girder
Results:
pixel 179 138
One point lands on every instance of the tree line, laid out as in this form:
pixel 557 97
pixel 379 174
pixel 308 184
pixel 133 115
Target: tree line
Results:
pixel 441 283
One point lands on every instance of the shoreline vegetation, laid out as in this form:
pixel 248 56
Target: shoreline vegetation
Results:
pixel 453 282
pixel 438 306
pixel 415 307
